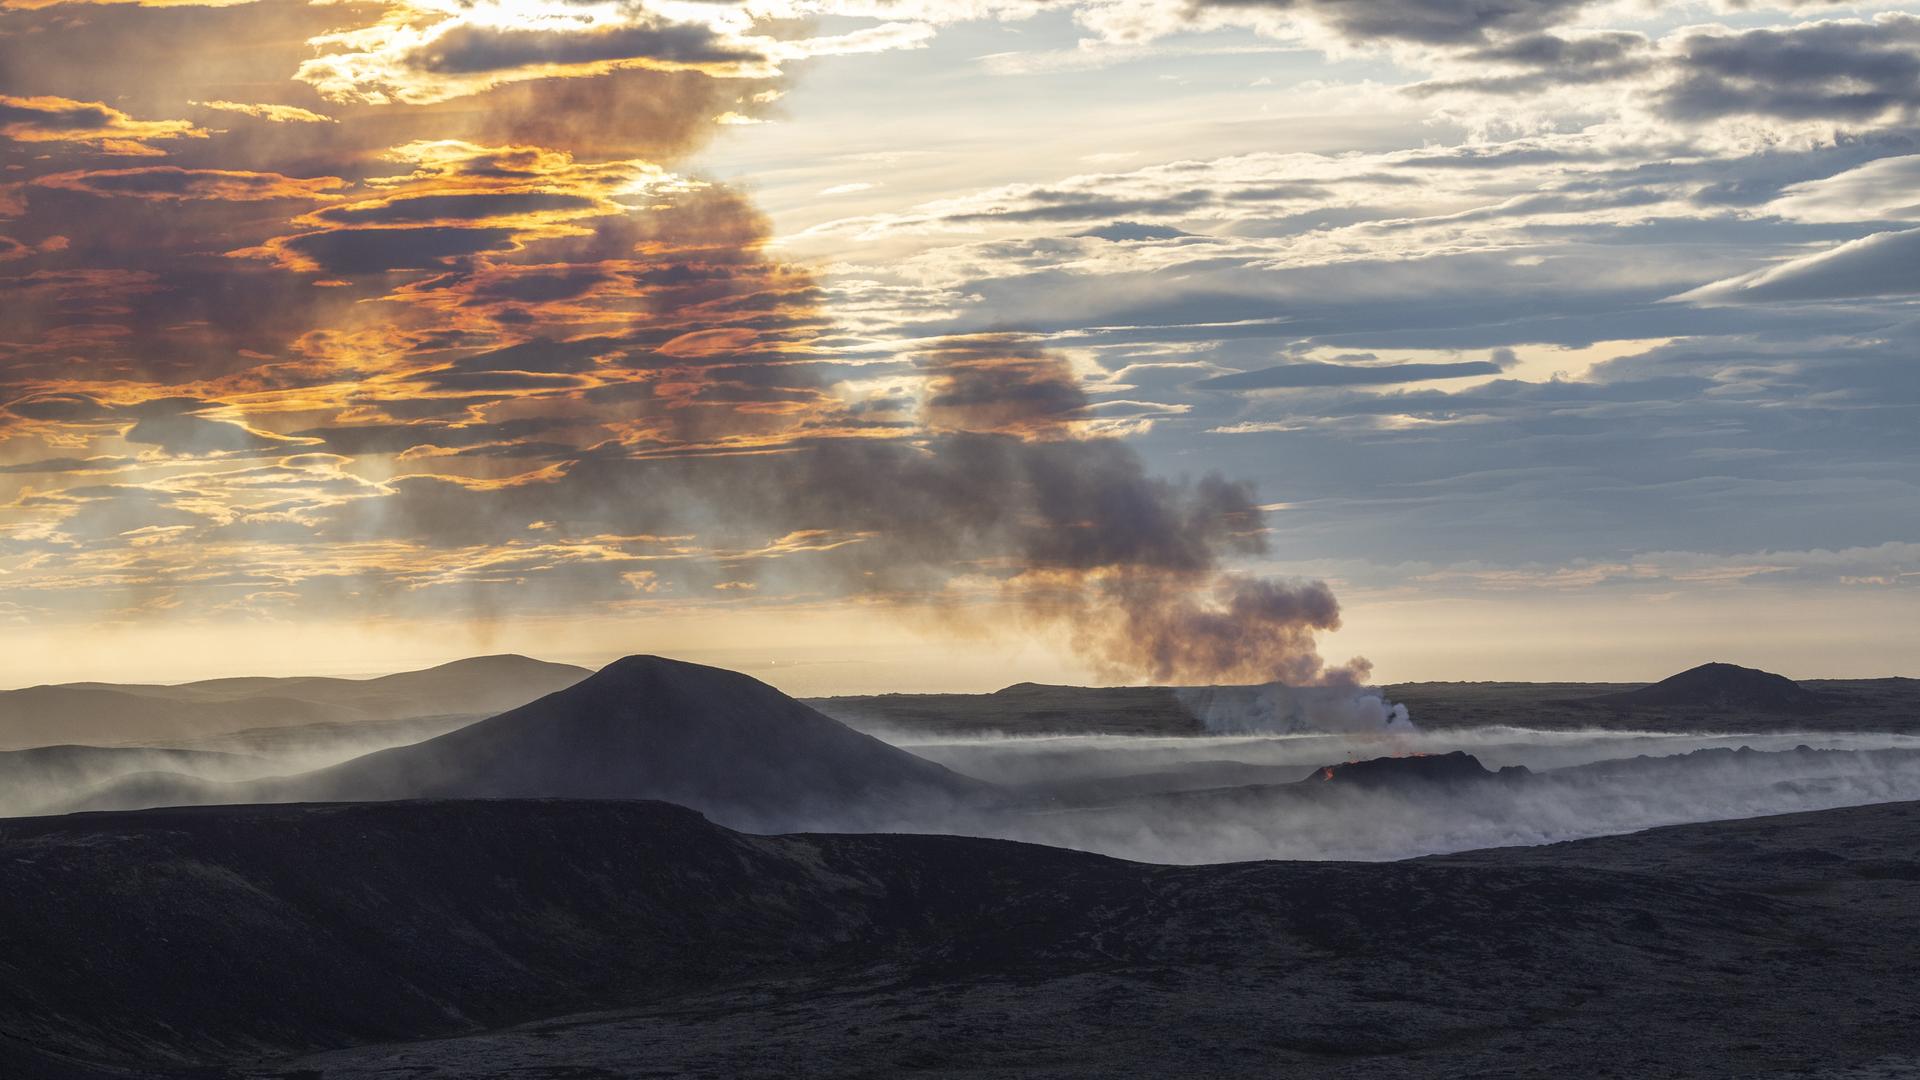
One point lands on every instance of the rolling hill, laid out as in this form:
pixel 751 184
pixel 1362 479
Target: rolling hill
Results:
pixel 153 715
pixel 41 779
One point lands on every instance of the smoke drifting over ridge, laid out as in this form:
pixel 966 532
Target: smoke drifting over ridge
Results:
pixel 472 348
pixel 1000 479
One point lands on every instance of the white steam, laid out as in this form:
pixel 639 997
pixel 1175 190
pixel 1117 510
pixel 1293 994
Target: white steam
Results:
pixel 1293 710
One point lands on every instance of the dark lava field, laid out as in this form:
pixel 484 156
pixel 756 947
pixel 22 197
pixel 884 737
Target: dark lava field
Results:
pixel 557 939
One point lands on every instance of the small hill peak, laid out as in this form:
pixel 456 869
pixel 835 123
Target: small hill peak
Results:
pixel 1720 685
pixel 647 664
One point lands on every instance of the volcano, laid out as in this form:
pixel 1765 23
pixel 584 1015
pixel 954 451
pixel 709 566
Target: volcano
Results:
pixel 1726 688
pixel 644 727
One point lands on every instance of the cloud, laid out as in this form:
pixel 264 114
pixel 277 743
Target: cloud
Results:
pixel 48 119
pixel 1537 62
pixel 1298 375
pixel 1887 565
pixel 1881 265
pixel 1047 205
pixel 470 50
pixel 68 465
pixel 1841 70
pixel 437 59
pixel 1133 231
pixel 1426 22
pixel 178 426
pixel 548 364
pixel 465 207
pixel 1887 188
pixel 364 439
pixel 187 434
pixel 1853 74
pixel 170 183
pixel 373 251
pixel 37 5
pixel 278 114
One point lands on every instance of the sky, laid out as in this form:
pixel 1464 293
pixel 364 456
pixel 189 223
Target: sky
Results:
pixel 940 344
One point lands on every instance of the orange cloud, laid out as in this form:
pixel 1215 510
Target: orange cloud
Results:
pixel 279 114
pixel 169 183
pixel 47 119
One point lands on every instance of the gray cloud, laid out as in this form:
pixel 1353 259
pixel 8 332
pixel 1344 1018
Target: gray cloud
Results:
pixel 101 463
pixel 397 438
pixel 1082 206
pixel 417 209
pixel 1883 264
pixel 1133 231
pixel 1828 70
pixel 367 251
pixel 1297 375
pixel 468 50
pixel 185 433
pixel 1845 71
pixel 1535 62
pixel 1432 22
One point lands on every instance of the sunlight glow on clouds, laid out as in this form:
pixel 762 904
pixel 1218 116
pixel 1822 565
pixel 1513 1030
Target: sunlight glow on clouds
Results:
pixel 437 311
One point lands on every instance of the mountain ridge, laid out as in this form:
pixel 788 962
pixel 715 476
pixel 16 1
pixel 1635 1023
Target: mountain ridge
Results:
pixel 149 714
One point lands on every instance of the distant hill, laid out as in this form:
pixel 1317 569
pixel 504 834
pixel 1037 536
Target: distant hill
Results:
pixel 329 739
pixel 1023 708
pixel 1723 687
pixel 145 714
pixel 1041 709
pixel 1888 704
pixel 641 728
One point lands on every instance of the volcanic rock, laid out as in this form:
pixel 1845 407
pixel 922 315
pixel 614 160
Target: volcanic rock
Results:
pixel 1457 767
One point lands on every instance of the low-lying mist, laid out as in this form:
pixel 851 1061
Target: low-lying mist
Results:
pixel 1257 787
pixel 1241 798
pixel 1237 798
pixel 1190 762
pixel 49 779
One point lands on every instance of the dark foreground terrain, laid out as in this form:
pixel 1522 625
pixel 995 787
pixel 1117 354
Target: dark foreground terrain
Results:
pixel 550 939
